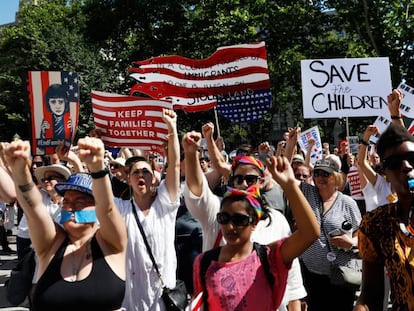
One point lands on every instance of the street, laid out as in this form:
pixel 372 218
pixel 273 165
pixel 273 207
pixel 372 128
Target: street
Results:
pixel 7 262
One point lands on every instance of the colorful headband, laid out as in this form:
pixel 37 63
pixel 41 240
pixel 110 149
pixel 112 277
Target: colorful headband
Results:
pixel 248 160
pixel 252 194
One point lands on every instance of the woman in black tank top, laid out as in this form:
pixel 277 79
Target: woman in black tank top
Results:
pixel 81 264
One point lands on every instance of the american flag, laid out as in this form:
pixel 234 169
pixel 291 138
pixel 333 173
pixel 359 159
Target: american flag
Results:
pixel 130 121
pixel 234 78
pixel 38 85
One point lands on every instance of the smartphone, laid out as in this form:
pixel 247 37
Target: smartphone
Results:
pixel 335 232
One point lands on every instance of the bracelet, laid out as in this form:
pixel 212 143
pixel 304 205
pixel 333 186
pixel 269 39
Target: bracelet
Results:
pixel 26 187
pixel 100 174
pixel 396 117
pixel 365 143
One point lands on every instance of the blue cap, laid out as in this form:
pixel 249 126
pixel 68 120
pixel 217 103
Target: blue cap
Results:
pixel 81 182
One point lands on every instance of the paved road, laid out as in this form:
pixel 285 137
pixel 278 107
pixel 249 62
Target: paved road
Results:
pixel 7 262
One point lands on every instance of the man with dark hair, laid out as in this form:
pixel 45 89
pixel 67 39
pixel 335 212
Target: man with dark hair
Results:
pixel 386 234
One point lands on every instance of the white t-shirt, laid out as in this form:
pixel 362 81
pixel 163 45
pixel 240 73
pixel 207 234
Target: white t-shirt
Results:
pixel 376 195
pixel 205 208
pixel 143 289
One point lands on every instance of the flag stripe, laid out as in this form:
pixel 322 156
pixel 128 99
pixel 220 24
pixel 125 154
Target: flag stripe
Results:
pixel 130 121
pixel 222 55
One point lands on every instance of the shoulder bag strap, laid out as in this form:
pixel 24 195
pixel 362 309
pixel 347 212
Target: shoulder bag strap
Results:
pixel 146 243
pixel 261 252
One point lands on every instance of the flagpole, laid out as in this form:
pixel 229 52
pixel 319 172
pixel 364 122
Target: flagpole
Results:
pixel 347 129
pixel 217 123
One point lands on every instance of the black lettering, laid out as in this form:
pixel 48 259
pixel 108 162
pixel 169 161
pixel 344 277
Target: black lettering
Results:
pixel 323 84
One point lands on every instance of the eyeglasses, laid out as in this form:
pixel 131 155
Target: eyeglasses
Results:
pixel 38 163
pixel 76 205
pixel 299 176
pixel 53 177
pixel 250 179
pixel 116 166
pixel 239 220
pixel 394 162
pixel 320 173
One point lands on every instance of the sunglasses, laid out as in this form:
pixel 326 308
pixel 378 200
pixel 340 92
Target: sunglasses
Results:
pixel 299 176
pixel 116 166
pixel 239 220
pixel 50 178
pixel 38 163
pixel 320 173
pixel 394 162
pixel 250 179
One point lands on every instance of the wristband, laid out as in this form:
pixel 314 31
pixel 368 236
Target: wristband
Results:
pixel 396 117
pixel 26 187
pixel 365 143
pixel 99 174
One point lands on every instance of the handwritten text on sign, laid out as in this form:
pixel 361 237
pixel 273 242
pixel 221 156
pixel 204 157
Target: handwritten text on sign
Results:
pixel 350 87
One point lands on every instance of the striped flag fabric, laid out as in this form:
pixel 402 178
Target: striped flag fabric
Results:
pixel 130 121
pixel 235 79
pixel 54 106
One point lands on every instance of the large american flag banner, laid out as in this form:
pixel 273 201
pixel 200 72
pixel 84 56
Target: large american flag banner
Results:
pixel 130 121
pixel 235 79
pixel 54 106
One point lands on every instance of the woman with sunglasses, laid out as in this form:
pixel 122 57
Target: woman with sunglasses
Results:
pixel 386 235
pixel 204 205
pixel 335 212
pixel 237 280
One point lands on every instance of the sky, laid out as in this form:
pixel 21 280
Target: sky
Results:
pixel 8 9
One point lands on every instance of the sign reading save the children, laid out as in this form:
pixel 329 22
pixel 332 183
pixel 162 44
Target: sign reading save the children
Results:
pixel 349 87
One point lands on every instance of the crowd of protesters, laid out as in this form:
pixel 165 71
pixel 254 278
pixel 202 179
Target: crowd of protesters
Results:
pixel 256 229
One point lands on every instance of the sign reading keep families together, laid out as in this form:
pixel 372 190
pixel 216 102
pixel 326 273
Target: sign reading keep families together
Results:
pixel 350 87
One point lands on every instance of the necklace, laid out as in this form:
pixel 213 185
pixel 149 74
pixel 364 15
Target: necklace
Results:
pixel 77 268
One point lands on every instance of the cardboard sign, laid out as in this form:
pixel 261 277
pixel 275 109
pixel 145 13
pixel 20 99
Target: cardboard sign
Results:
pixel 349 87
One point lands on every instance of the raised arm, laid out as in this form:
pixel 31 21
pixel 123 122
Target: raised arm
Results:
pixel 172 177
pixel 7 190
pixel 291 143
pixel 362 158
pixel 68 155
pixel 193 173
pixel 307 226
pixel 16 157
pixel 394 103
pixel 111 224
pixel 214 153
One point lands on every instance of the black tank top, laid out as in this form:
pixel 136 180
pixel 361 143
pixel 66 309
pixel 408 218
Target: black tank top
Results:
pixel 101 290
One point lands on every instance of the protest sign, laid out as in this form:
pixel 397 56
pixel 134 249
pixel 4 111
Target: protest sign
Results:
pixel 54 107
pixel 130 121
pixel 407 103
pixel 235 79
pixel 312 133
pixel 349 87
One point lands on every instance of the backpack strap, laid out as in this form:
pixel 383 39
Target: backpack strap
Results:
pixel 205 262
pixel 261 252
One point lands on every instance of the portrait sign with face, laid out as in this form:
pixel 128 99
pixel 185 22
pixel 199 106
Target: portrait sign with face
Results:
pixel 54 107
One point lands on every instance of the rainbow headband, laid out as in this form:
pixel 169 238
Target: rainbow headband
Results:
pixel 252 194
pixel 243 159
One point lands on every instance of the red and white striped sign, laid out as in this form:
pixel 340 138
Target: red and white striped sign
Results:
pixel 130 121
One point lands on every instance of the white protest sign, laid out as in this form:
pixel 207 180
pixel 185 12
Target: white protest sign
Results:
pixel 407 103
pixel 382 123
pixel 353 144
pixel 316 152
pixel 346 87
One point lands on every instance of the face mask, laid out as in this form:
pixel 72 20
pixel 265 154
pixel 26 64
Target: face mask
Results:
pixel 81 217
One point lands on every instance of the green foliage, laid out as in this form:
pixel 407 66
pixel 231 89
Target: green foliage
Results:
pixel 100 39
